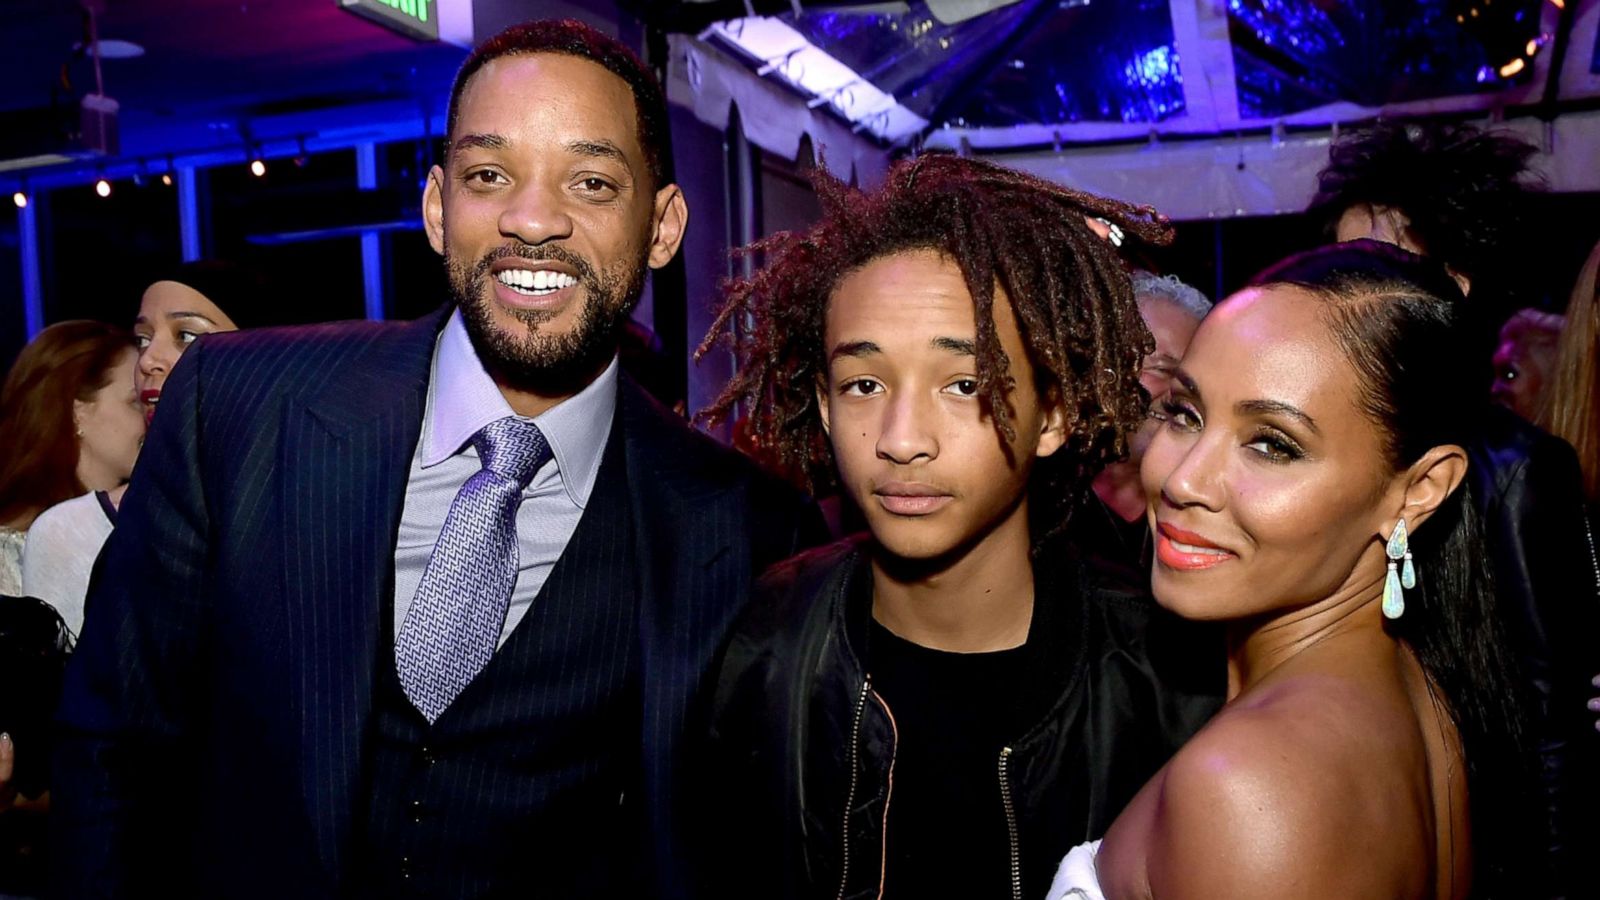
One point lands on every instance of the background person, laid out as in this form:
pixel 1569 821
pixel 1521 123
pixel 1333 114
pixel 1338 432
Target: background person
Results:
pixel 1108 526
pixel 192 300
pixel 71 423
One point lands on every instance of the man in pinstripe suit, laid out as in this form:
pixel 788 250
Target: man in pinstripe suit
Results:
pixel 285 687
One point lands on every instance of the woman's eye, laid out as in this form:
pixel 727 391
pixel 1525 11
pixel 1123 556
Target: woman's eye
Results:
pixel 1176 414
pixel 1275 448
pixel 141 341
pixel 187 337
pixel 861 387
pixel 965 387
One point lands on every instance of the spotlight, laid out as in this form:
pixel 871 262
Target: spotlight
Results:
pixel 1512 68
pixel 1533 47
pixel 103 188
pixel 20 199
pixel 166 178
pixel 258 168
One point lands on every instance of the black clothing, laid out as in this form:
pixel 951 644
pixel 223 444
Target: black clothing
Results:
pixel 804 743
pixel 535 752
pixel 954 714
pixel 1117 550
pixel 1527 485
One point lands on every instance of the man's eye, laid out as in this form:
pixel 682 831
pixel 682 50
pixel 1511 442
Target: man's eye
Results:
pixel 965 387
pixel 484 176
pixel 860 387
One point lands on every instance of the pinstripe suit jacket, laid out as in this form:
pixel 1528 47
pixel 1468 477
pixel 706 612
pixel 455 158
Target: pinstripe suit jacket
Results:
pixel 216 711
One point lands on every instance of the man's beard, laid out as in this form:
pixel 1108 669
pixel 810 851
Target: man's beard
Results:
pixel 542 363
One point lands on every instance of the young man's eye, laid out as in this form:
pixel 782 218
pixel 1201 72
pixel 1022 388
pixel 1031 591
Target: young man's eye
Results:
pixel 484 177
pixel 860 387
pixel 965 387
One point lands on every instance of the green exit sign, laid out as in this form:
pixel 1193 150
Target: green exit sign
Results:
pixel 413 18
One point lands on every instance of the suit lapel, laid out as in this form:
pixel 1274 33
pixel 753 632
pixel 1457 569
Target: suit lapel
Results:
pixel 346 457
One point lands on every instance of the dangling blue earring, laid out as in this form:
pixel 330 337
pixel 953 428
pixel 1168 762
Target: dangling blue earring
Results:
pixel 1394 601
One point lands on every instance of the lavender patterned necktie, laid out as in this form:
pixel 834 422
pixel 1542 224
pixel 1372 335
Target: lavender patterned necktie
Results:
pixel 453 625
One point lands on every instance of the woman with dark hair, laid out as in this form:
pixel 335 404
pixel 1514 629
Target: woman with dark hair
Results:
pixel 191 300
pixel 1308 490
pixel 71 424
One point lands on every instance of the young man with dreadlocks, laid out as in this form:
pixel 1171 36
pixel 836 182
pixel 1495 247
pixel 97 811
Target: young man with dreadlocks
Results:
pixel 946 706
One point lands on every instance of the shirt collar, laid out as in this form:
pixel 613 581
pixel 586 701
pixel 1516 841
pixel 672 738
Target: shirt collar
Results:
pixel 463 398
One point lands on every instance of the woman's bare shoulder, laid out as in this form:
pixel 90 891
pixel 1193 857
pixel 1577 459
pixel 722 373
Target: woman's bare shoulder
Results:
pixel 1305 790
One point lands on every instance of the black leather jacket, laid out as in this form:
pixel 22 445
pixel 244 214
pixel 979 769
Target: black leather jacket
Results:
pixel 1527 486
pixel 803 746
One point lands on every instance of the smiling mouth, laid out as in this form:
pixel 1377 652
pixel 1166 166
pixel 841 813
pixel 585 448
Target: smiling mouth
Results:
pixel 535 283
pixel 1185 556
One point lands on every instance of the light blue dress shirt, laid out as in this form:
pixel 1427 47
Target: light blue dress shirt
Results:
pixel 462 398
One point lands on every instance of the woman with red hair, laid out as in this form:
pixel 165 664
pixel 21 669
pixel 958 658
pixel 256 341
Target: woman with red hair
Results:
pixel 72 424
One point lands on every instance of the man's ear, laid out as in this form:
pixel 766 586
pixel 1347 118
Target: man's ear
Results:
pixel 1428 483
pixel 822 404
pixel 1053 431
pixel 671 219
pixel 433 209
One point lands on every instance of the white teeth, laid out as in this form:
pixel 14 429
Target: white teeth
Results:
pixel 1190 548
pixel 542 281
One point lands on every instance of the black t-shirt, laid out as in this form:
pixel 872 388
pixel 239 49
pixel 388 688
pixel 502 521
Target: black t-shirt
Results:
pixel 954 713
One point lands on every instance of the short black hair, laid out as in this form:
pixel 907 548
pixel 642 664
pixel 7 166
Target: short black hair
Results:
pixel 569 37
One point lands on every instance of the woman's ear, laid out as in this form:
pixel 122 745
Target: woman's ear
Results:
pixel 1430 481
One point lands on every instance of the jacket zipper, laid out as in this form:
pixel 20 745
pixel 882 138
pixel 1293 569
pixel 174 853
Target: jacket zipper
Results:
pixel 1594 559
pixel 850 796
pixel 1011 824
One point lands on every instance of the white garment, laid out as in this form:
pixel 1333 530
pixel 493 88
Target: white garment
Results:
pixel 11 543
pixel 1076 878
pixel 62 546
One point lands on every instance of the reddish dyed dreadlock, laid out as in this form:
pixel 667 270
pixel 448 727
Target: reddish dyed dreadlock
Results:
pixel 1070 292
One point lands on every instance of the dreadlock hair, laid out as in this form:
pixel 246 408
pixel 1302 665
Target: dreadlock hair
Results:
pixel 1067 286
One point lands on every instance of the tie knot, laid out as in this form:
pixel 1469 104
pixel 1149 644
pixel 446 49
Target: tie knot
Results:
pixel 512 448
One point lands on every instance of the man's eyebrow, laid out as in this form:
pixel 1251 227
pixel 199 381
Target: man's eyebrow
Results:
pixel 480 142
pixel 601 149
pixel 1284 409
pixel 854 350
pixel 960 346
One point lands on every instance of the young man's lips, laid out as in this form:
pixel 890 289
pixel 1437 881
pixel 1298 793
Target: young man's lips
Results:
pixel 907 499
pixel 1187 551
